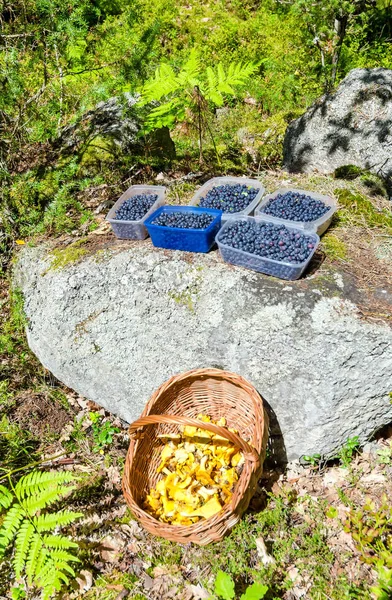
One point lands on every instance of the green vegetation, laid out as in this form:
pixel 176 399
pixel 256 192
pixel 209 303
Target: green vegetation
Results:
pixel 313 459
pixel 335 248
pixel 348 451
pixel 67 255
pixel 187 96
pixel 224 588
pixel 58 61
pixel 17 446
pixel 230 75
pixel 371 529
pixel 103 432
pixel 40 552
pixel 357 210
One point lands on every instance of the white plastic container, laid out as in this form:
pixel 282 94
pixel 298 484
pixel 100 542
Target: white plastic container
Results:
pixel 135 230
pixel 318 226
pixel 269 266
pixel 215 181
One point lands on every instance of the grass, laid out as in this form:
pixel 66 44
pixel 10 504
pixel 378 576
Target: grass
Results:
pixel 17 446
pixel 295 534
pixel 357 210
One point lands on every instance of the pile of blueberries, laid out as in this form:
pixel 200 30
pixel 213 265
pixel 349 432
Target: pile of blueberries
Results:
pixel 268 240
pixel 295 206
pixel 135 207
pixel 184 220
pixel 229 198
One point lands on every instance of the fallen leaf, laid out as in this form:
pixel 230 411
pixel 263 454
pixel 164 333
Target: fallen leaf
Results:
pixel 198 592
pixel 373 478
pixel 335 477
pixel 102 229
pixel 123 594
pixel 20 242
pixel 113 475
pixel 265 558
pixel 111 547
pixel 85 581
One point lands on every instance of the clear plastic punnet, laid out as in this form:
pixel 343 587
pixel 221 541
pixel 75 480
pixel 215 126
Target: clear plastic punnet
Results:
pixel 135 230
pixel 269 266
pixel 215 181
pixel 319 226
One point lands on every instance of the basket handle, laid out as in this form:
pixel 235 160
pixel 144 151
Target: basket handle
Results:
pixel 249 452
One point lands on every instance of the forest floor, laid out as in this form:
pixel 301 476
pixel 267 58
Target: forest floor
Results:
pixel 303 534
pixel 306 533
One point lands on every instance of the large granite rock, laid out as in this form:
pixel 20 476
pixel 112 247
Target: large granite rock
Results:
pixel 118 323
pixel 353 126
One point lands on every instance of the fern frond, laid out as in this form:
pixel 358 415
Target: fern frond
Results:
pixel 44 557
pixel 38 481
pixel 22 545
pixel 220 74
pixel 32 557
pixel 49 522
pixel 43 499
pixel 10 525
pixel 61 556
pixel 190 72
pixel 5 497
pixel 162 84
pixel 166 114
pixel 53 579
pixel 212 80
pixel 239 73
pixel 58 541
pixel 42 564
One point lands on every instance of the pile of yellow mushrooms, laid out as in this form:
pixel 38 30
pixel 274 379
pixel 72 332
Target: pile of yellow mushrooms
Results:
pixel 199 472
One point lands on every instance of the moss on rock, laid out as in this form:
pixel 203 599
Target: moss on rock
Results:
pixel 70 254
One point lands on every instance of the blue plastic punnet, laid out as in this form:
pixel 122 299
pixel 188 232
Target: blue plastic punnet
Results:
pixel 188 240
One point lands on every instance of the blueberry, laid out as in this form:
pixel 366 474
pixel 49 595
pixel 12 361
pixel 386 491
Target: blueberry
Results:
pixel 135 208
pixel 184 220
pixel 266 240
pixel 295 206
pixel 230 198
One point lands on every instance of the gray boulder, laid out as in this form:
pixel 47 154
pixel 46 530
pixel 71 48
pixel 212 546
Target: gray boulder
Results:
pixel 353 126
pixel 117 324
pixel 117 121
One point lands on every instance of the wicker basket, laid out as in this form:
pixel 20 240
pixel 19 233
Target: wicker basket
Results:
pixel 177 402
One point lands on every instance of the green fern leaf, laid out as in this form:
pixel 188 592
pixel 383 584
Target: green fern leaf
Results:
pixel 220 74
pixel 58 541
pixel 5 497
pixel 48 522
pixel 22 544
pixel 211 80
pixel 10 525
pixel 189 74
pixel 38 481
pixel 164 115
pixel 44 565
pixel 61 556
pixel 162 84
pixel 32 557
pixel 45 559
pixel 215 96
pixel 43 499
pixel 226 88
